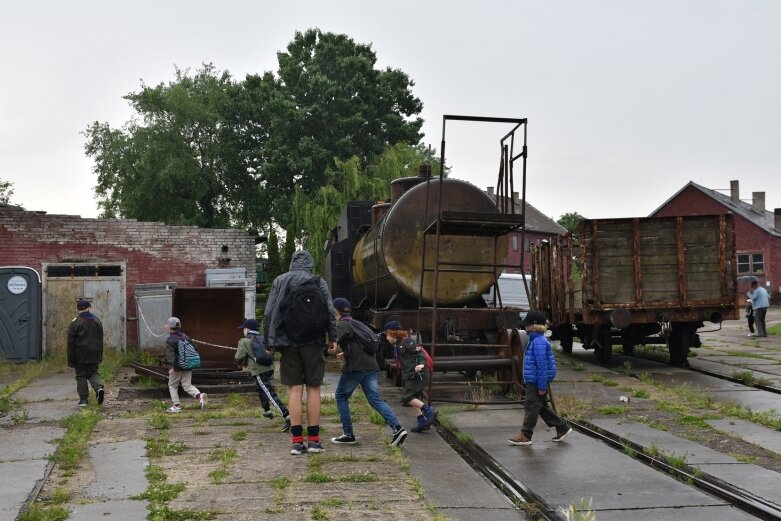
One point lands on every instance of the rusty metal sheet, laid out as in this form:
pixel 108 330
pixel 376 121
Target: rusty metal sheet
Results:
pixel 211 315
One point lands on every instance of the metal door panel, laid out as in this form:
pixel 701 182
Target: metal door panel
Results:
pixel 108 303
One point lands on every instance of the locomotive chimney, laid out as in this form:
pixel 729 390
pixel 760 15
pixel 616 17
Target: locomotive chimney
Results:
pixel 734 191
pixel 777 215
pixel 490 191
pixel 424 170
pixel 758 201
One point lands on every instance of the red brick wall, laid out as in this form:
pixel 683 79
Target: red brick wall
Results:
pixel 154 252
pixel 514 257
pixel 749 237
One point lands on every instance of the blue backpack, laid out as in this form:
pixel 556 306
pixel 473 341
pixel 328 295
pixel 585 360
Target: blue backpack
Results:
pixel 187 356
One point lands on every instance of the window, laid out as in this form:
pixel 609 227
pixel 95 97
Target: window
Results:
pixel 515 243
pixel 751 263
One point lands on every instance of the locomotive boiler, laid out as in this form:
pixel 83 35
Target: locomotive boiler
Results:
pixel 426 257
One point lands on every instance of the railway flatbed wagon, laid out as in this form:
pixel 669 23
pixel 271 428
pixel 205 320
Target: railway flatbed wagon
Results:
pixel 637 280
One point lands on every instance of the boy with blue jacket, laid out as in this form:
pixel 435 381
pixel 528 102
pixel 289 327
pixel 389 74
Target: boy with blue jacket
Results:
pixel 539 370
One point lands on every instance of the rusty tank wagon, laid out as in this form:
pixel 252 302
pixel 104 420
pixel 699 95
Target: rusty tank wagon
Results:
pixel 426 257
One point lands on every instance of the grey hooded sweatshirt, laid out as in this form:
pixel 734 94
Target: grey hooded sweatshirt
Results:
pixel 300 270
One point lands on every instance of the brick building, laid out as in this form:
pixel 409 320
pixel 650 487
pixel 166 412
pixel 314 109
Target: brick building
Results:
pixel 105 259
pixel 538 228
pixel 757 230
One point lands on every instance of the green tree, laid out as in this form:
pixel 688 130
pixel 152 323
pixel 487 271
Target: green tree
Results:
pixel 318 214
pixel 290 246
pixel 327 102
pixel 181 159
pixel 6 191
pixel 570 221
pixel 274 262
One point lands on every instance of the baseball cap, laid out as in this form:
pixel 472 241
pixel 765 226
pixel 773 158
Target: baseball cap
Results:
pixel 83 304
pixel 534 317
pixel 342 304
pixel 173 323
pixel 393 325
pixel 250 324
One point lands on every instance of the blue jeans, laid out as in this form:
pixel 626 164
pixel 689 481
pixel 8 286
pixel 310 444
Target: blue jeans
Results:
pixel 348 382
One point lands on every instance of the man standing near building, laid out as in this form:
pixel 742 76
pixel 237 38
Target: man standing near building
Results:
pixel 85 352
pixel 760 302
pixel 298 316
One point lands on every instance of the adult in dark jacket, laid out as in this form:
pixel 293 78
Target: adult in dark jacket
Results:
pixel 85 352
pixel 539 370
pixel 300 364
pixel 360 368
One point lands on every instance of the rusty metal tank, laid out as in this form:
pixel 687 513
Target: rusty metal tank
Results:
pixel 387 260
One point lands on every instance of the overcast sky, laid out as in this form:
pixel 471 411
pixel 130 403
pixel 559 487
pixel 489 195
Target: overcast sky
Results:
pixel 627 101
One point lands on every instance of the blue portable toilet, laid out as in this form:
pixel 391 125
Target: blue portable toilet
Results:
pixel 20 314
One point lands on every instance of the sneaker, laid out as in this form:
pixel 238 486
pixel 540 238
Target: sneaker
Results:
pixel 202 399
pixel 430 417
pixel 315 447
pixel 751 334
pixel 399 435
pixel 561 435
pixel 521 439
pixel 421 425
pixel 83 403
pixel 268 414
pixel 174 408
pixel 298 449
pixel 344 439
pixel 100 394
pixel 286 426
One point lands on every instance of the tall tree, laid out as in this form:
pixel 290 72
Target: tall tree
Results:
pixel 182 161
pixel 274 262
pixel 328 102
pixel 6 191
pixel 318 214
pixel 290 246
pixel 570 221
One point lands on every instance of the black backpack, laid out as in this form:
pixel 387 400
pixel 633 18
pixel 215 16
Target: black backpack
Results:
pixel 305 313
pixel 259 352
pixel 366 338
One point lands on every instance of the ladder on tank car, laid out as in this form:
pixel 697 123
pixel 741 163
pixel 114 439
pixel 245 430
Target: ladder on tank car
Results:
pixel 476 224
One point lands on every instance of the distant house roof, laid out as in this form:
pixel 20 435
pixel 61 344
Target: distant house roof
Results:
pixel 763 219
pixel 536 221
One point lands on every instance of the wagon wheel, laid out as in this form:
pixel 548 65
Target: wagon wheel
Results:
pixel 565 335
pixel 604 349
pixel 517 344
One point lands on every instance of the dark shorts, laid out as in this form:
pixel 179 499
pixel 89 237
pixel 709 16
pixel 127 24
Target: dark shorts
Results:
pixel 414 388
pixel 302 365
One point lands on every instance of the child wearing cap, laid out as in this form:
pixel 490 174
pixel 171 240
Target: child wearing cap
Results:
pixel 360 368
pixel 539 370
pixel 413 359
pixel 262 370
pixel 176 375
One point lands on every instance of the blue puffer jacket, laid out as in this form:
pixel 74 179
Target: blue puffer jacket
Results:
pixel 539 365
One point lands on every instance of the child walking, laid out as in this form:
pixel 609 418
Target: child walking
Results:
pixel 261 369
pixel 176 375
pixel 360 368
pixel 415 367
pixel 539 370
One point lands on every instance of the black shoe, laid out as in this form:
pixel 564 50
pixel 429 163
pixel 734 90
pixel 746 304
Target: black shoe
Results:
pixel 286 426
pixel 430 415
pixel 268 414
pixel 399 435
pixel 83 402
pixel 100 394
pixel 344 439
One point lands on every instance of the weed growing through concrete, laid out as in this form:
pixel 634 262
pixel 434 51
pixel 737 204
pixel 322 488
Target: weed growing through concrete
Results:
pixel 239 436
pixel 45 513
pixel 641 393
pixel 73 446
pixel 157 447
pixel 744 377
pixel 280 482
pixel 613 409
pixel 318 477
pixel 582 512
pixel 318 514
pixel 676 461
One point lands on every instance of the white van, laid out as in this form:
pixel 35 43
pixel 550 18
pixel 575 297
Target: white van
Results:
pixel 512 291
